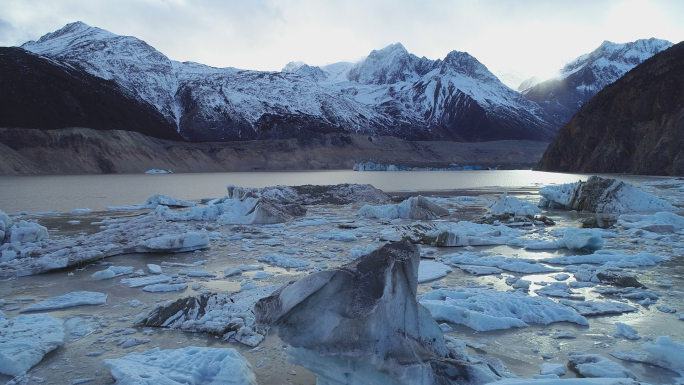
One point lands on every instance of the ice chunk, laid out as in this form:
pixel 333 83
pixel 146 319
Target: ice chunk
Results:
pixel 557 289
pixel 219 313
pixel 190 365
pixel 248 337
pixel 483 310
pixel 158 171
pixel 154 201
pixel 24 232
pixel 145 281
pixel 283 261
pixel 25 339
pixel 358 251
pixel 361 324
pixel 113 271
pixel 154 269
pixel 662 223
pixel 163 287
pixel 561 277
pixel 601 195
pixel 430 271
pixel 665 353
pixel 76 298
pixel 417 208
pixel 196 273
pixel 7 255
pixel 76 328
pixel 595 365
pixel 625 331
pixel 262 275
pixel 177 243
pixel 512 205
pixel 549 368
pixel 581 239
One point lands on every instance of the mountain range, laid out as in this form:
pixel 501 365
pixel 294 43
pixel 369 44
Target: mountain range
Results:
pixel 391 92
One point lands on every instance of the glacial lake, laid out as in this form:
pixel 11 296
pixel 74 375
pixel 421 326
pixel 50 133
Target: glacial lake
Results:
pixel 94 332
pixel 63 193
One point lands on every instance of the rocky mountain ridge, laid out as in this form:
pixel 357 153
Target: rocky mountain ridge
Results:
pixel 578 81
pixel 391 92
pixel 635 125
pixel 37 92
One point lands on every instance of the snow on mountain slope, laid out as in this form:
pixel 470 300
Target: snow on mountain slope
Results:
pixel 447 95
pixel 578 81
pixel 390 92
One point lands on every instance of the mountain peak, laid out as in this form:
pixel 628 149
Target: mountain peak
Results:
pixel 465 63
pixel 66 36
pixel 292 66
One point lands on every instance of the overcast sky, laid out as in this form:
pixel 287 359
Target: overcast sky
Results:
pixel 533 37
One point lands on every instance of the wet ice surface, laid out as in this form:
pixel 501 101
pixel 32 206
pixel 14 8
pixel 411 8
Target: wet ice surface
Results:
pixel 323 239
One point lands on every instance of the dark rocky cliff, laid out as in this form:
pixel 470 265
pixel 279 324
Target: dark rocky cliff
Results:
pixel 635 125
pixel 37 92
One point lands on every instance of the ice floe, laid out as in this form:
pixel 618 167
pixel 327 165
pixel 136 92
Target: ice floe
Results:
pixel 461 233
pixel 625 331
pixel 550 368
pixel 154 201
pixel 164 287
pixel 145 281
pixel 664 353
pixel 177 243
pixel 485 309
pixel 417 208
pixel 112 272
pixel 516 265
pixel 581 239
pixel 77 298
pixel 601 195
pixel 249 208
pixel 119 238
pixel 512 205
pixel 430 271
pixel 190 365
pixel 25 339
pixel 340 194
pixel 598 308
pixel 596 365
pixel 615 257
pixel 223 314
pixel 25 232
pixel 663 222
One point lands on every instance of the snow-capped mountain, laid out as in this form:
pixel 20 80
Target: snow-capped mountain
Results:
pixel 578 81
pixel 390 92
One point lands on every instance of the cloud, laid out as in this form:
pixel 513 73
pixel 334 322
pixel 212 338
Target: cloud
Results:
pixel 533 36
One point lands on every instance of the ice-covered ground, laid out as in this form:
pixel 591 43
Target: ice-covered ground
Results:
pixel 513 293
